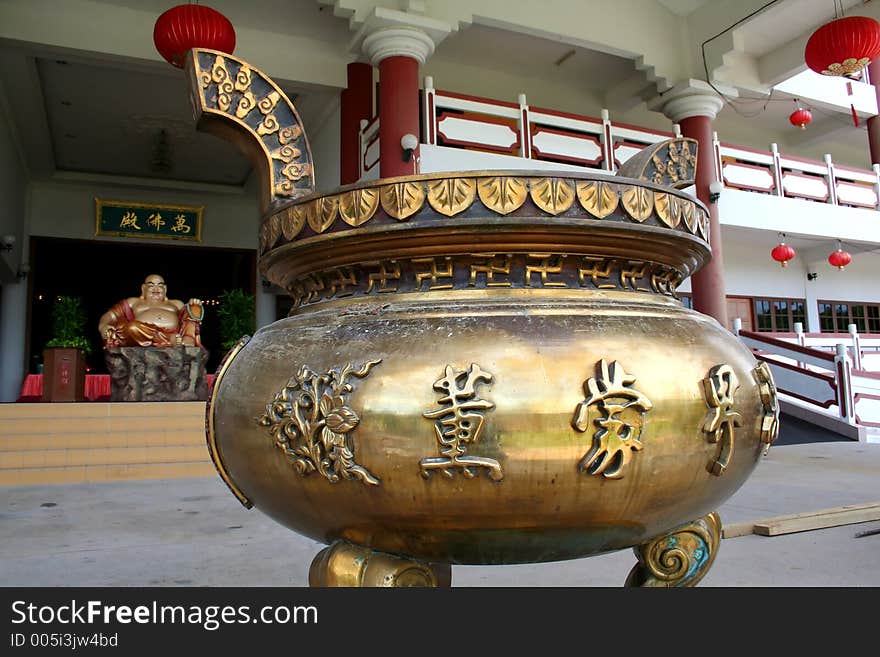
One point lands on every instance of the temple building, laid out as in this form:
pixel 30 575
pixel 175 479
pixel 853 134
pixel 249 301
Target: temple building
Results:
pixel 105 179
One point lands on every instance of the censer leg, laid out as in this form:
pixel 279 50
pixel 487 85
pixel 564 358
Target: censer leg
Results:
pixel 346 564
pixel 679 558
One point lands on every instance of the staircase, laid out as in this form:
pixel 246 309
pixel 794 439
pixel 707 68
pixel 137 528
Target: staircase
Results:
pixel 84 442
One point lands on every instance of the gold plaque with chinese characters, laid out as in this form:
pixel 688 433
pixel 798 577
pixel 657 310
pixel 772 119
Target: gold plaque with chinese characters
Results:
pixel 129 219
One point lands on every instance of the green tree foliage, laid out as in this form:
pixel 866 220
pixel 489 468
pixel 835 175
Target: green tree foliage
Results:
pixel 236 316
pixel 68 324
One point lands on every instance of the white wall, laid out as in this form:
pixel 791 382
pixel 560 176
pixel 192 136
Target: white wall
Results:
pixel 68 210
pixel 13 296
pixel 798 217
pixel 325 145
pixel 858 281
pixel 749 271
pixel 13 183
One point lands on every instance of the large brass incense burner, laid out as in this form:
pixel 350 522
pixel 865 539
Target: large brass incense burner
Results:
pixel 480 367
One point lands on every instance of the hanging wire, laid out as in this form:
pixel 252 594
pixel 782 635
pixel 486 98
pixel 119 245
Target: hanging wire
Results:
pixel 727 100
pixel 742 105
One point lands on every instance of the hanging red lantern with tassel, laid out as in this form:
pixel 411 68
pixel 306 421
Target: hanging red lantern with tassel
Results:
pixel 782 254
pixel 184 27
pixel 839 258
pixel 801 118
pixel 844 46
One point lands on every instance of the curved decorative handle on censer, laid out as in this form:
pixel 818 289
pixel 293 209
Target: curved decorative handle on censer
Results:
pixel 239 103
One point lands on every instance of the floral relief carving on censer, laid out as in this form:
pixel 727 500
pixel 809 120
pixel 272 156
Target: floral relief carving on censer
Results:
pixel 311 422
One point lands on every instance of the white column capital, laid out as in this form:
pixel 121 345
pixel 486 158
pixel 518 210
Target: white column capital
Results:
pixel 397 41
pixel 690 98
pixel 389 33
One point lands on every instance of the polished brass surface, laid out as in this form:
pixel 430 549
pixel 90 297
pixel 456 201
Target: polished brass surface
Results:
pixel 680 557
pixel 210 424
pixel 540 345
pixel 346 565
pixel 490 367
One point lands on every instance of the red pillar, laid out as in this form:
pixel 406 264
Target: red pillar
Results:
pixel 873 123
pixel 707 285
pixel 356 105
pixel 398 112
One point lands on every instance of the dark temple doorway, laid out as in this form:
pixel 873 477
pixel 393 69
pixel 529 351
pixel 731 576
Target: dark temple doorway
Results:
pixel 102 273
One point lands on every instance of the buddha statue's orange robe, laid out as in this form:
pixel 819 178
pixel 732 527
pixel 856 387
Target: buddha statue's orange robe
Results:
pixel 131 332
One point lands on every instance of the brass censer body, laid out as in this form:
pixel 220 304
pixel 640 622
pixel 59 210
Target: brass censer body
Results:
pixel 480 367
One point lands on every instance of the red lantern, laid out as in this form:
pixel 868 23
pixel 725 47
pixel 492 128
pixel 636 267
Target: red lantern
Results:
pixel 185 27
pixel 844 46
pixel 839 258
pixel 782 254
pixel 801 118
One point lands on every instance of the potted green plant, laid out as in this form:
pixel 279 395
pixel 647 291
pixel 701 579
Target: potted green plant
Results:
pixel 235 316
pixel 64 356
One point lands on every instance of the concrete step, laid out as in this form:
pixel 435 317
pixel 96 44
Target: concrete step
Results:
pixel 130 471
pixel 79 442
pixel 29 442
pixel 55 458
pixel 60 425
pixel 101 409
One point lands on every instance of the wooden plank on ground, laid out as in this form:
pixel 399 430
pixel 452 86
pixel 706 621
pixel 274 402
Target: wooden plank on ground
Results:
pixel 737 529
pixel 800 522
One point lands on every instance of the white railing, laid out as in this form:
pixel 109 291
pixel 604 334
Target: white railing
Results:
pixel 826 382
pixel 863 350
pixel 515 129
pixel 770 172
pixel 459 121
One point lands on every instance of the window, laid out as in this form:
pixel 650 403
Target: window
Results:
pixel 826 318
pixel 873 319
pixel 687 300
pixel 779 315
pixel 836 316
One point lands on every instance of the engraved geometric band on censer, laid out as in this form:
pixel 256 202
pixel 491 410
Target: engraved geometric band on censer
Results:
pixel 486 271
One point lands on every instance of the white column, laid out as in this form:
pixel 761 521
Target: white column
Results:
pixel 264 305
pixel 13 326
pixel 693 105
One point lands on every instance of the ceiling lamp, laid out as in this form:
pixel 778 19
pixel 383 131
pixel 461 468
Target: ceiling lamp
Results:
pixel 801 118
pixel 782 254
pixel 185 27
pixel 839 258
pixel 844 46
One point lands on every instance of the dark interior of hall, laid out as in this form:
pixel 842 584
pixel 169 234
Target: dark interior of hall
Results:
pixel 102 273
